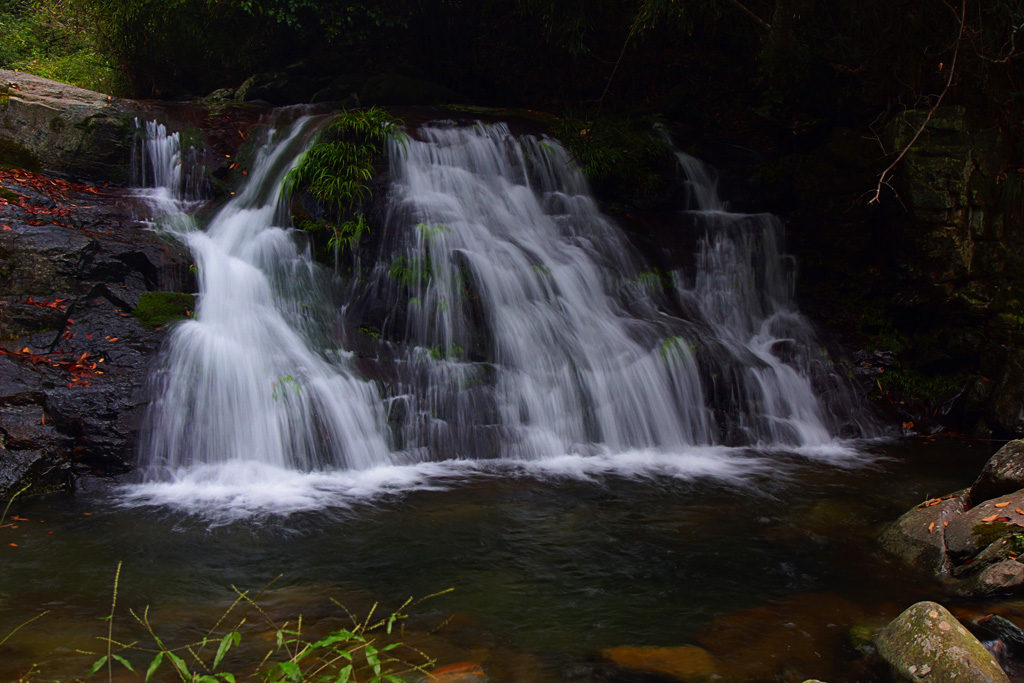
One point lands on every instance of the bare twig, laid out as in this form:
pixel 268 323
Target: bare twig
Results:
pixel 622 53
pixel 883 178
pixel 746 10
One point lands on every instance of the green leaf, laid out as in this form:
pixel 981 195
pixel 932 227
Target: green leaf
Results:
pixel 179 664
pixel 344 674
pixel 154 665
pixel 97 665
pixel 124 662
pixel 226 642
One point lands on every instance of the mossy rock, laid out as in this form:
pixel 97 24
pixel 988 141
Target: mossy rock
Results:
pixel 9 195
pixel 13 155
pixel 160 308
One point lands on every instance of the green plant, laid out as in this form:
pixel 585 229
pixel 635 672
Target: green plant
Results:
pixel 617 153
pixel 337 171
pixel 367 651
pixel 7 507
pixel 284 385
pixel 429 232
pixel 411 272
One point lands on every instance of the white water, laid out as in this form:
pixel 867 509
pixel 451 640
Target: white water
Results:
pixel 243 381
pixel 516 322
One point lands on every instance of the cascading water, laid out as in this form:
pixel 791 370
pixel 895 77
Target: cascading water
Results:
pixel 530 328
pixel 510 320
pixel 247 379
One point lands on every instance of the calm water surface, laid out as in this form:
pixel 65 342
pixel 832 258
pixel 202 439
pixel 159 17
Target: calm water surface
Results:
pixel 548 563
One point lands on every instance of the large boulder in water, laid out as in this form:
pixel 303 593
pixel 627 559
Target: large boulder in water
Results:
pixel 972 549
pixel 926 642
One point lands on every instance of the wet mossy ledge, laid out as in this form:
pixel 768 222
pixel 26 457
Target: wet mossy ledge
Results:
pixel 156 309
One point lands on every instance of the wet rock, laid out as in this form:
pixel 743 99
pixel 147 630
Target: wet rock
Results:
pixel 974 530
pixel 73 360
pixel 1006 407
pixel 995 627
pixel 917 539
pixel 1002 474
pixel 31 472
pixel 926 642
pixel 687 663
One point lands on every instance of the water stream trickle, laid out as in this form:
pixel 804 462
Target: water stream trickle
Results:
pixel 514 323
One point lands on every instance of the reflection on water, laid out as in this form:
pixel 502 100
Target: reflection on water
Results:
pixel 549 563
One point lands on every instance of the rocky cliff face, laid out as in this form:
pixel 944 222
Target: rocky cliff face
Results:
pixel 928 282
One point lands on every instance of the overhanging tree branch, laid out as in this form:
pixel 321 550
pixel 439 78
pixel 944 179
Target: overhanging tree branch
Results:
pixel 883 179
pixel 746 10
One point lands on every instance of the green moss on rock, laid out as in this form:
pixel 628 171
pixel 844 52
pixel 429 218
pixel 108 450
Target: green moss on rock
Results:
pixel 13 155
pixel 12 197
pixel 160 308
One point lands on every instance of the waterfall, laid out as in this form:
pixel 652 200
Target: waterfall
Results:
pixel 500 315
pixel 250 378
pixel 523 324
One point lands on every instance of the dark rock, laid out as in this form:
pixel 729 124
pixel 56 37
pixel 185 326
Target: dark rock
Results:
pixel 1006 407
pixel 926 642
pixel 32 472
pixel 75 361
pixel 995 627
pixel 1002 474
pixel 917 539
pixel 969 533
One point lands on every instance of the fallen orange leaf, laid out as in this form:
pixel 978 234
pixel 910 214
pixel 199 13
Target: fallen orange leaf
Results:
pixel 13 545
pixel 1002 505
pixel 931 527
pixel 990 519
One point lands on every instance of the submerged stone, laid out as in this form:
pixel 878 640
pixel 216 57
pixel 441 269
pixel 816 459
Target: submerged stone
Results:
pixel 687 663
pixel 926 642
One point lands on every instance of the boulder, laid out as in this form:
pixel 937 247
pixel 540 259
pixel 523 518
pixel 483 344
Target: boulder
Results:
pixel 972 531
pixel 917 539
pixel 1002 474
pixel 926 642
pixel 59 128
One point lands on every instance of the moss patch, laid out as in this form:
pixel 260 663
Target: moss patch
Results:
pixel 990 532
pixel 13 155
pixel 10 196
pixel 159 308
